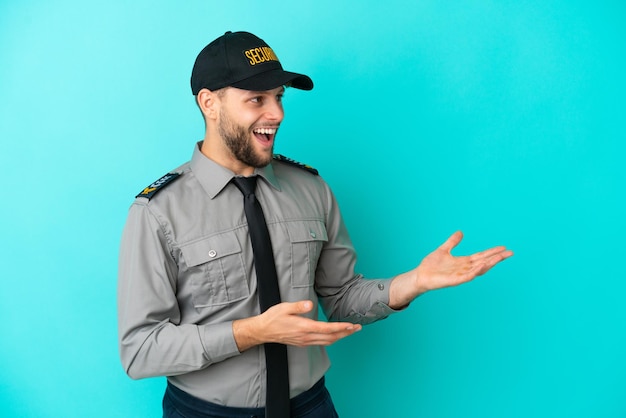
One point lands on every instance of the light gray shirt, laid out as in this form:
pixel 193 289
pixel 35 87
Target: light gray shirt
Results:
pixel 186 273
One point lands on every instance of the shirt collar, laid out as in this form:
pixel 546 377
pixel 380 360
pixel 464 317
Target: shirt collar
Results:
pixel 214 177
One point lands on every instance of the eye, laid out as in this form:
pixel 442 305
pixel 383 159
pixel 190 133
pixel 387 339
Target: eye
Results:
pixel 257 99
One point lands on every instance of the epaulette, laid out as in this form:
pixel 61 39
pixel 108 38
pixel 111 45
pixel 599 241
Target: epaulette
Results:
pixel 158 185
pixel 282 158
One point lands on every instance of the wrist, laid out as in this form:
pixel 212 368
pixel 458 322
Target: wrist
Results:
pixel 404 289
pixel 419 283
pixel 245 333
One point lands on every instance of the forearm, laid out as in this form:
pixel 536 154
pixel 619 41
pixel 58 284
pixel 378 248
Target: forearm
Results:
pixel 362 301
pixel 168 349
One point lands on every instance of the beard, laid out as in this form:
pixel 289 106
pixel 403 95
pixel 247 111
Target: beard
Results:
pixel 238 141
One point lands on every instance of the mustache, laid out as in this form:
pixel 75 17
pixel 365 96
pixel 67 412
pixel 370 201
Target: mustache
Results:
pixel 266 125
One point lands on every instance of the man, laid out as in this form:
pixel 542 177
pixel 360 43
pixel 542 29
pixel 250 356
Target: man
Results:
pixel 190 272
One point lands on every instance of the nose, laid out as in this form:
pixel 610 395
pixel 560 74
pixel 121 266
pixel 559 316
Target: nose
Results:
pixel 274 110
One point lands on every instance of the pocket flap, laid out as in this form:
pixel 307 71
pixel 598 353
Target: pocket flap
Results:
pixel 210 248
pixel 305 231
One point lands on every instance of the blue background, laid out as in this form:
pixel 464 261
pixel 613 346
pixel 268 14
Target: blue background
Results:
pixel 501 118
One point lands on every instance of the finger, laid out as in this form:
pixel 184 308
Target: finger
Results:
pixel 325 339
pixel 488 253
pixel 486 264
pixel 498 257
pixel 452 241
pixel 328 338
pixel 300 307
pixel 304 306
pixel 321 327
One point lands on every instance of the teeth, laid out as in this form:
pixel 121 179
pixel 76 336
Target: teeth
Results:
pixel 265 131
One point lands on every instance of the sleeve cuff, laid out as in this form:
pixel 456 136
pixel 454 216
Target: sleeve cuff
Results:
pixel 218 341
pixel 379 308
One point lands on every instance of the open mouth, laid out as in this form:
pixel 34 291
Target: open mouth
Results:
pixel 265 135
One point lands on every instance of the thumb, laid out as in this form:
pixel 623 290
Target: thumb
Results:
pixel 304 306
pixel 452 241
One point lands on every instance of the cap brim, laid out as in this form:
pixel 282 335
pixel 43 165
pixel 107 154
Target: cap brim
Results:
pixel 275 78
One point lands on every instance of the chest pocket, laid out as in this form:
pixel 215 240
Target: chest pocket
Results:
pixel 216 270
pixel 307 239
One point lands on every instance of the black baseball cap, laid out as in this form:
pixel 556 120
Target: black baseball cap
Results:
pixel 244 61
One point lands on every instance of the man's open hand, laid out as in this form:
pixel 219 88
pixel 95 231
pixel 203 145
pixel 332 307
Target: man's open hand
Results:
pixel 441 269
pixel 284 323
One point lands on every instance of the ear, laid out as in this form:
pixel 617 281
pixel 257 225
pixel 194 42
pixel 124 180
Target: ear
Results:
pixel 208 102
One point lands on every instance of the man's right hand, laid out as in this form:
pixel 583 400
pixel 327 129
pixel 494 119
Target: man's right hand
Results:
pixel 284 324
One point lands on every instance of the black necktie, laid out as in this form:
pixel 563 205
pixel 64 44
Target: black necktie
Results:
pixel 277 401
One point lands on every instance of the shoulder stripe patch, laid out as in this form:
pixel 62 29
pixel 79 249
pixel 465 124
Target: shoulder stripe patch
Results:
pixel 155 187
pixel 282 158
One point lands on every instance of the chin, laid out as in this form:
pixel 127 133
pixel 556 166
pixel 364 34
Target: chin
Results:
pixel 264 162
pixel 265 157
pixel 258 160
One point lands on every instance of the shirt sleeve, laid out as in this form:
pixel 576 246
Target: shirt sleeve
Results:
pixel 152 339
pixel 344 294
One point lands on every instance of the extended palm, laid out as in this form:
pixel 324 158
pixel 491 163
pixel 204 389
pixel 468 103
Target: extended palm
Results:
pixel 441 269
